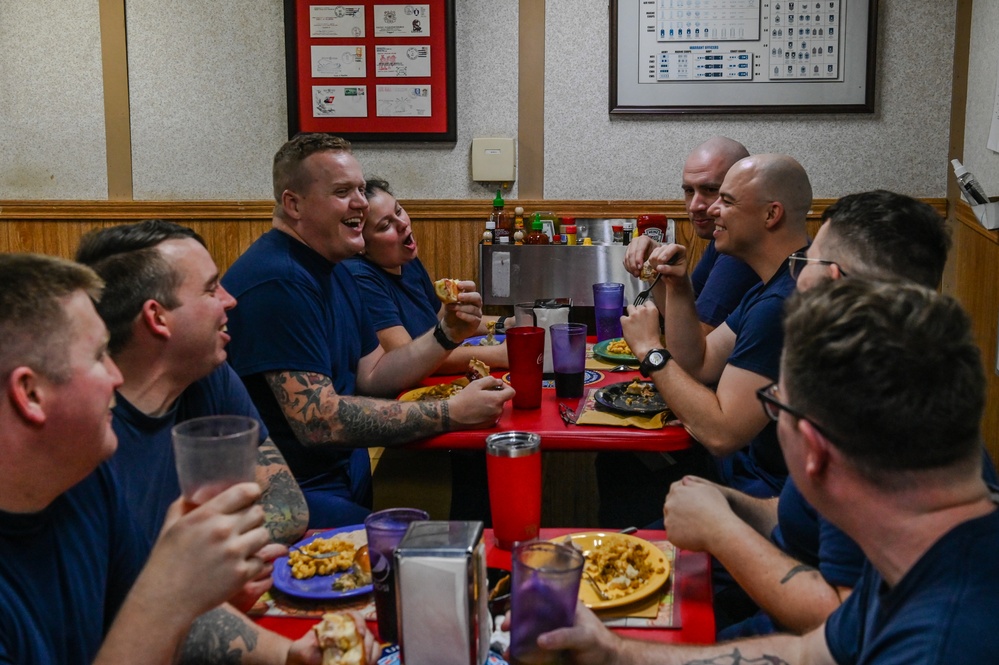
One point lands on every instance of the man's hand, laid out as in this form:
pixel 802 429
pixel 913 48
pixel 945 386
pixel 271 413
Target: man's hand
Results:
pixel 589 641
pixel 694 512
pixel 638 251
pixel 641 329
pixel 670 261
pixel 462 319
pixel 210 552
pixel 479 404
pixel 305 650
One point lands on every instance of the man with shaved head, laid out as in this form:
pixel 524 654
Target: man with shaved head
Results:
pixel 710 381
pixel 631 484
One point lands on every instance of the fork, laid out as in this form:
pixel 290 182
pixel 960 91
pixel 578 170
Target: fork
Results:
pixel 596 587
pixel 644 295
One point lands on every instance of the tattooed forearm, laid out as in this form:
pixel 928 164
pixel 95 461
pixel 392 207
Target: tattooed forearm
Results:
pixel 736 658
pixel 218 637
pixel 800 568
pixel 287 515
pixel 318 416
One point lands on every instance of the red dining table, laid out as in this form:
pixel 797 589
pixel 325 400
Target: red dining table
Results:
pixel 557 434
pixel 692 592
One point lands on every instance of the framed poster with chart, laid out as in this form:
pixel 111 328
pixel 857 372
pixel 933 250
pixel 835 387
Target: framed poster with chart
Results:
pixel 371 71
pixel 742 56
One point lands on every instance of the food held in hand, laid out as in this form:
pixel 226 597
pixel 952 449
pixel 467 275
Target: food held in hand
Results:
pixel 476 369
pixel 490 338
pixel 340 641
pixel 447 290
pixel 648 272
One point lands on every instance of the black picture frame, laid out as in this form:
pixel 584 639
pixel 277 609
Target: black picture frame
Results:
pixel 373 128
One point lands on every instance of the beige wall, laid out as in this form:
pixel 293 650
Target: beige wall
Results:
pixel 206 87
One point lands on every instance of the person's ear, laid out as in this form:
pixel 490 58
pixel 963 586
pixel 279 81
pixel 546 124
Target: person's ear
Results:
pixel 817 452
pixel 290 202
pixel 26 390
pixel 775 213
pixel 154 317
pixel 835 272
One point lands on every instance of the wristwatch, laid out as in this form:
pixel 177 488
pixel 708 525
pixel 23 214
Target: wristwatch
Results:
pixel 654 360
pixel 443 339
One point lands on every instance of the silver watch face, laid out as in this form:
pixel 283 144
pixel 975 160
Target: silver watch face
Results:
pixel 655 358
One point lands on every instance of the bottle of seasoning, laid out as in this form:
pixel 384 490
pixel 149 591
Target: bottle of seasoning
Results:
pixel 518 218
pixel 587 242
pixel 536 236
pixel 487 235
pixel 503 222
pixel 618 233
pixel 518 237
pixel 629 231
pixel 570 234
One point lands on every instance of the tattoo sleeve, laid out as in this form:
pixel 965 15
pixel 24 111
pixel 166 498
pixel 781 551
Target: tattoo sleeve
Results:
pixel 319 416
pixel 218 637
pixel 284 505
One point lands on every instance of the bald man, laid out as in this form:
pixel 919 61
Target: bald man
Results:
pixel 631 485
pixel 759 218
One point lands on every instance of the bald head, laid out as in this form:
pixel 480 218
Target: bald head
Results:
pixel 776 177
pixel 720 149
pixel 703 173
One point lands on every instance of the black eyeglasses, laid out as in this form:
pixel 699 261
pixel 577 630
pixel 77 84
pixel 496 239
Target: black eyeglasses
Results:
pixel 797 262
pixel 773 406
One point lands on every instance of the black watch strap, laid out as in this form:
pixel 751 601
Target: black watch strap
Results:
pixel 654 360
pixel 443 339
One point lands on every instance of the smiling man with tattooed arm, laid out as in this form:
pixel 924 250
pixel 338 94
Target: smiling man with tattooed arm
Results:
pixel 304 347
pixel 892 456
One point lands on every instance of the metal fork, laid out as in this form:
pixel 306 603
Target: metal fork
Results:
pixel 644 295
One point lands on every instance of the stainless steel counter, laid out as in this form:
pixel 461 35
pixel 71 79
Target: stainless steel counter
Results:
pixel 521 273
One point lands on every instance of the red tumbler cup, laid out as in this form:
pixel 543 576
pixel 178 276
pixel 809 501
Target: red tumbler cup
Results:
pixel 513 470
pixel 526 351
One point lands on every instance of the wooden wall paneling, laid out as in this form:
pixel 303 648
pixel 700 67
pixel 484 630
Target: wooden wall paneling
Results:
pixel 976 285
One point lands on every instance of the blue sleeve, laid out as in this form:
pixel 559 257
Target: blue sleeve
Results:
pixel 759 337
pixel 282 325
pixel 233 398
pixel 726 284
pixel 841 561
pixel 844 627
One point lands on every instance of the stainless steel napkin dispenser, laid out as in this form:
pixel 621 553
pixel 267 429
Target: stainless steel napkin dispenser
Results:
pixel 441 593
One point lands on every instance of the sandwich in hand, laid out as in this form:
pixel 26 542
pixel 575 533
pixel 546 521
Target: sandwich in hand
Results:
pixel 648 272
pixel 476 369
pixel 447 290
pixel 340 641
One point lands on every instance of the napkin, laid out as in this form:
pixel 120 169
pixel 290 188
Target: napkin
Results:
pixel 590 415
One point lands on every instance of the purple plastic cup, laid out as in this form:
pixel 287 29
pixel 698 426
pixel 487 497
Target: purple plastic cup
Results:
pixel 385 529
pixel 543 597
pixel 608 306
pixel 568 358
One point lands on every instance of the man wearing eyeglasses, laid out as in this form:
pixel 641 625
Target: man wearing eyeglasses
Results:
pixel 878 410
pixel 803 566
pixel 760 218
